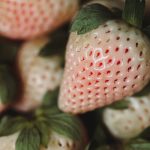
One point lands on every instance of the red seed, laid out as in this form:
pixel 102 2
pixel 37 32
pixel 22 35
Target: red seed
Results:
pixel 107 51
pixel 129 60
pixel 126 50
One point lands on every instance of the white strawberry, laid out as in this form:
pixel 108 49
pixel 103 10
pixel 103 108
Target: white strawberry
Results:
pixel 39 74
pixel 29 19
pixel 28 51
pixel 8 142
pixel 130 122
pixel 106 60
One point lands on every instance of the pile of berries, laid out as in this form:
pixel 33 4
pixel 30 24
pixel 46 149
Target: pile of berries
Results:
pixel 74 75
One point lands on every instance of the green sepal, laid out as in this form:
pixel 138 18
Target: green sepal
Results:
pixel 8 85
pixel 44 131
pixel 120 105
pixel 28 139
pixel 50 98
pixel 147 31
pixel 53 120
pixel 66 125
pixel 137 144
pixel 45 112
pixel 91 17
pixel 10 125
pixel 133 12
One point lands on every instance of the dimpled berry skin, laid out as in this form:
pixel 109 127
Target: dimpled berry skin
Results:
pixel 129 123
pixel 103 66
pixel 28 19
pixel 38 74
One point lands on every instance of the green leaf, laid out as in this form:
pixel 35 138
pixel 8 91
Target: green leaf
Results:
pixel 123 104
pixel 29 139
pixel 8 85
pixel 45 112
pixel 91 17
pixel 133 12
pixel 10 125
pixel 138 144
pixel 44 131
pixel 66 125
pixel 50 98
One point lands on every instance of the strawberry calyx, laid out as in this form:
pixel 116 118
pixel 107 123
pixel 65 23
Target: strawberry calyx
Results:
pixel 133 12
pixel 10 125
pixel 35 132
pixel 35 128
pixel 28 139
pixel 90 17
pixel 56 119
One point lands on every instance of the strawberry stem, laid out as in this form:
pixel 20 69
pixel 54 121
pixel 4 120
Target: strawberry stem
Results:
pixel 133 12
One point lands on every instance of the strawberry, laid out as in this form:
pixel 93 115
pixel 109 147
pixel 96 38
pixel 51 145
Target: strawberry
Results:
pixel 106 59
pixel 43 134
pixel 29 19
pixel 39 74
pixel 130 122
pixel 28 51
